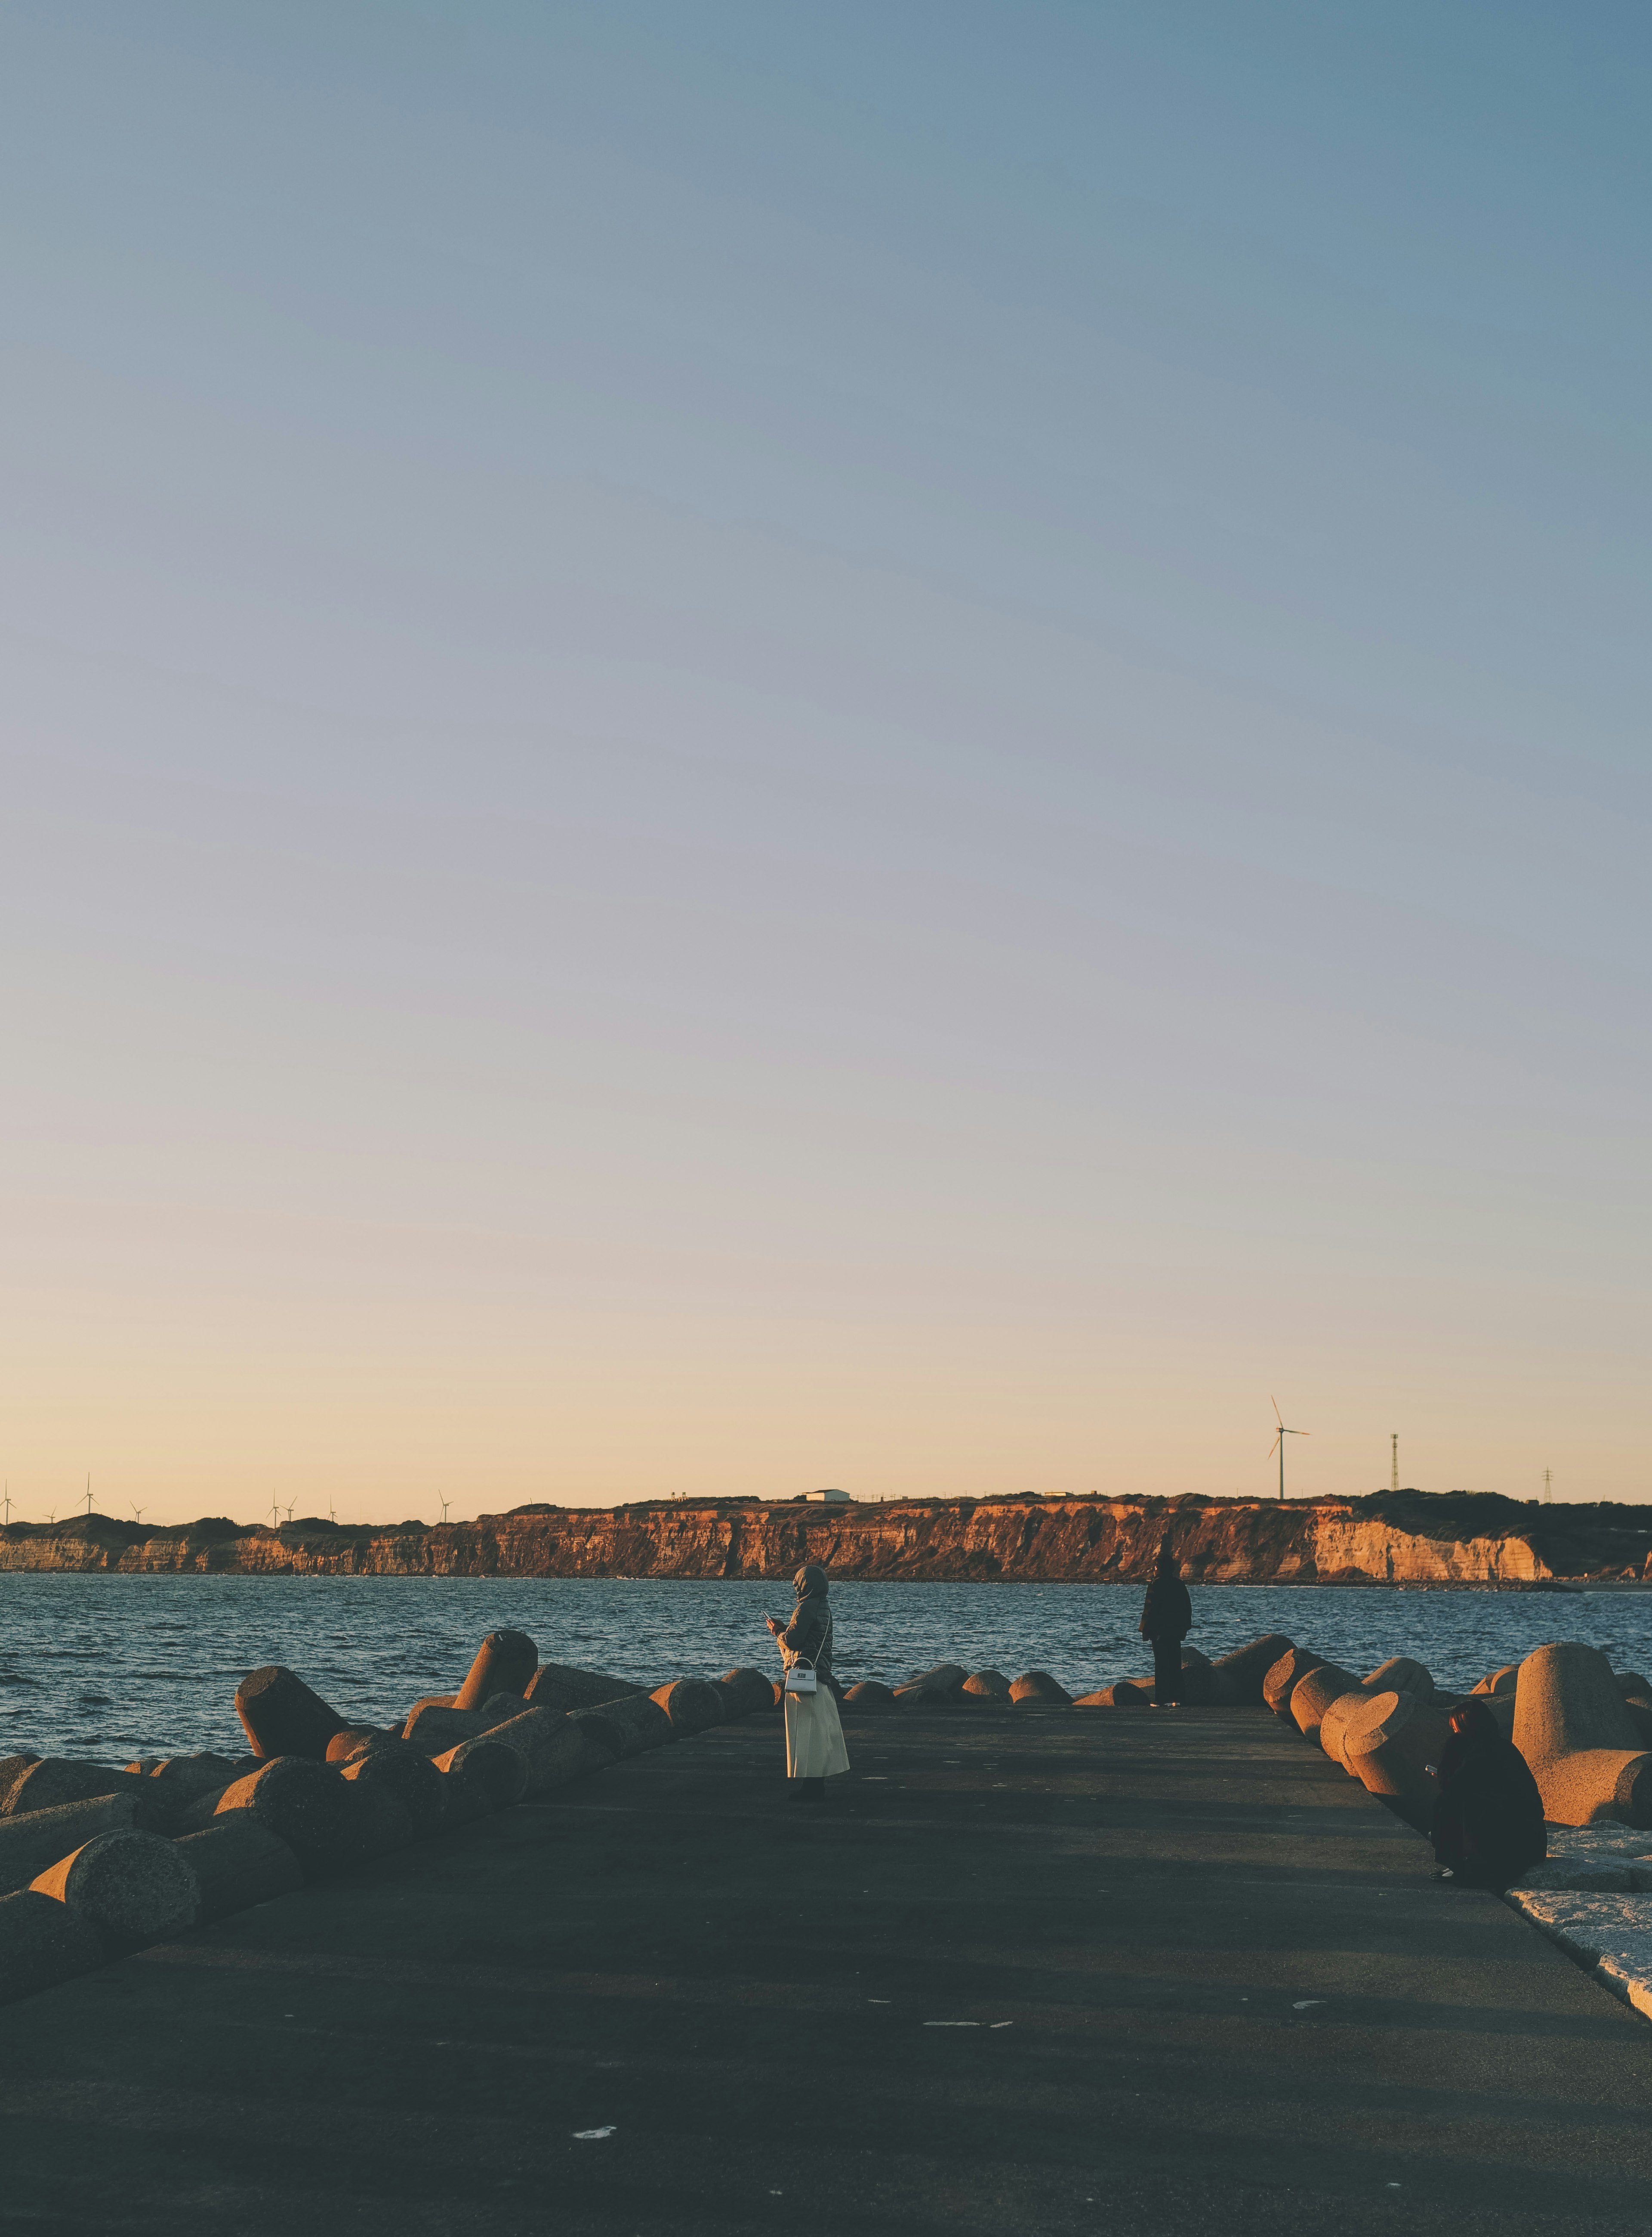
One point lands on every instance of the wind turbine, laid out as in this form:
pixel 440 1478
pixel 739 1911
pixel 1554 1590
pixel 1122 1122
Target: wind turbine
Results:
pixel 7 1498
pixel 88 1492
pixel 1277 1445
pixel 274 1513
pixel 137 1512
pixel 289 1511
pixel 443 1505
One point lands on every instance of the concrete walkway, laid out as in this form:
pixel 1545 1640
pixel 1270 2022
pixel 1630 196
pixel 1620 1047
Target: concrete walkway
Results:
pixel 1108 1972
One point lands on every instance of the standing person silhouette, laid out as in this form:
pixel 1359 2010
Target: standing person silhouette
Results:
pixel 814 1750
pixel 1166 1619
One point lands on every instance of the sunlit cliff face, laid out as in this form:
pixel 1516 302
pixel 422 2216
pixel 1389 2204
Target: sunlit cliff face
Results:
pixel 1077 1540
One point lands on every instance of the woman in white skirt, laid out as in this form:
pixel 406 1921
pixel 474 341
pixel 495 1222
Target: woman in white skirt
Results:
pixel 814 1750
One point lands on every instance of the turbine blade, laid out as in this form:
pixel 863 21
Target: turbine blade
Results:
pixel 1278 1416
pixel 1274 1447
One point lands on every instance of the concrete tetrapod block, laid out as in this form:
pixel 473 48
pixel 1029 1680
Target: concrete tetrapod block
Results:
pixel 479 1777
pixel 1334 1717
pixel 1500 1682
pixel 1285 1675
pixel 747 1691
pixel 987 1685
pixel 301 1801
pixel 435 1730
pixel 693 1704
pixel 134 1888
pixel 1237 1678
pixel 1037 1689
pixel 354 1738
pixel 1571 1725
pixel 402 1770
pixel 1198 1679
pixel 917 1693
pixel 39 1837
pixel 12 1768
pixel 1501 1707
pixel 41 1942
pixel 949 1678
pixel 555 1749
pixel 1400 1674
pixel 871 1698
pixel 631 1725
pixel 559 1686
pixel 52 1780
pixel 1122 1693
pixel 181 1779
pixel 1351 1714
pixel 1389 1744
pixel 375 1822
pixel 1641 1717
pixel 1632 1686
pixel 280 1715
pixel 1312 1695
pixel 237 1864
pixel 505 1663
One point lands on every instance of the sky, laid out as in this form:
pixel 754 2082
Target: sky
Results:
pixel 750 747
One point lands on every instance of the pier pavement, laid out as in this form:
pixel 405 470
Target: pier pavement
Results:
pixel 1024 1973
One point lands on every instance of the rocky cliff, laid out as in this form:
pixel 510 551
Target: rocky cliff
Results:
pixel 1408 1537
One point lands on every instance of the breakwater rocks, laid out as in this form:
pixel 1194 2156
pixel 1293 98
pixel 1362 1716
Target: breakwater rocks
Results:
pixel 99 1859
pixel 1409 1538
pixel 1585 1731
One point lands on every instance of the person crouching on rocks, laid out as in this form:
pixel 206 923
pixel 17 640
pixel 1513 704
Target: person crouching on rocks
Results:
pixel 1488 1822
pixel 1166 1619
pixel 814 1750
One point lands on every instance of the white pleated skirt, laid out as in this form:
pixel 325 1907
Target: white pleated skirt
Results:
pixel 813 1736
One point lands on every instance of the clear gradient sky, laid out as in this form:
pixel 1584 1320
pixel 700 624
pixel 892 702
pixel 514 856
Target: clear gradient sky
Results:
pixel 752 746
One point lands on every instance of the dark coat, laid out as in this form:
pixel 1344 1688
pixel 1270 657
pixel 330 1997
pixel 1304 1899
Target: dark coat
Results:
pixel 1166 1612
pixel 1488 1822
pixel 809 1632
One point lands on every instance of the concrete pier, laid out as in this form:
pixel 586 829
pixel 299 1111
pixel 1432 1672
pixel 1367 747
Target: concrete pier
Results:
pixel 1025 1972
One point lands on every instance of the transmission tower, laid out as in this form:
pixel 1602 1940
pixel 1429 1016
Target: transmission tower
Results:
pixel 1393 1472
pixel 1546 1482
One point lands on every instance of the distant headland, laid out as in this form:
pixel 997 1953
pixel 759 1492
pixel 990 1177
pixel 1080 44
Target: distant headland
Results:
pixel 1407 1537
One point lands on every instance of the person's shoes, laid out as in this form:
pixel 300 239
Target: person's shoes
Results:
pixel 1445 1872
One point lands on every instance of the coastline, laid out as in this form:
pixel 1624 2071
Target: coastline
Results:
pixel 1462 1542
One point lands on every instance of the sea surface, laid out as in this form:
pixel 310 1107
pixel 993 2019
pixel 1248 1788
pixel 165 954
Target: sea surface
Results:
pixel 118 1666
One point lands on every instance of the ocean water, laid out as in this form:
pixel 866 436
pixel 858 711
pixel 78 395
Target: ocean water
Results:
pixel 113 1666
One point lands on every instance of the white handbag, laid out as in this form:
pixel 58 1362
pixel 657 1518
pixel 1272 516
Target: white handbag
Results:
pixel 801 1679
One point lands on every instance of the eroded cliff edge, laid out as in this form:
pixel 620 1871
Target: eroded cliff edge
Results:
pixel 1408 1537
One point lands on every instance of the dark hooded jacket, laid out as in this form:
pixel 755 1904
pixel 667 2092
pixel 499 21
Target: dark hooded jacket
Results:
pixel 809 1632
pixel 1167 1612
pixel 1488 1821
